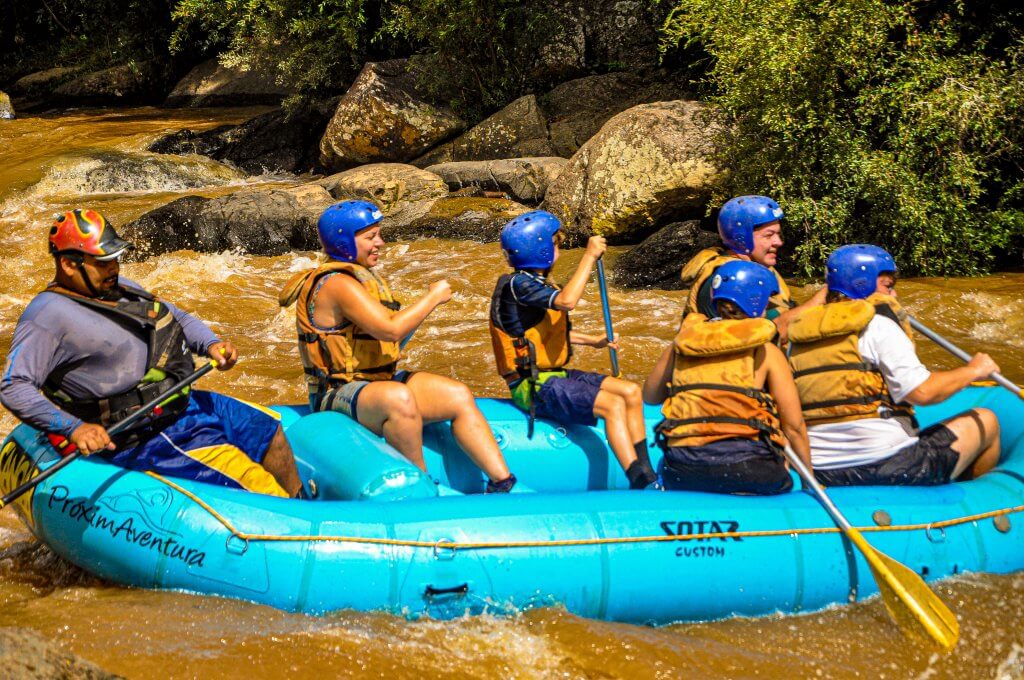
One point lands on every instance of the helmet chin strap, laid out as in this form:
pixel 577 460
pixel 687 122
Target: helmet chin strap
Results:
pixel 108 295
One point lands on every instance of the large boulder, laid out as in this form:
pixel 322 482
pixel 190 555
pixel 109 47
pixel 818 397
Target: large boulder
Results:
pixel 253 220
pixel 6 108
pixel 212 84
pixel 276 141
pixel 383 118
pixel 524 179
pixel 386 184
pixel 657 261
pixel 42 83
pixel 519 129
pixel 648 163
pixel 25 654
pixel 578 108
pixel 455 217
pixel 125 84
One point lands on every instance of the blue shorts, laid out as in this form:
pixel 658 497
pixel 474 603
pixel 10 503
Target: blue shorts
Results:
pixel 344 399
pixel 217 440
pixel 571 399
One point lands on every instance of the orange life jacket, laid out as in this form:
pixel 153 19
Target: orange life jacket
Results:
pixel 713 394
pixel 704 264
pixel 543 347
pixel 835 383
pixel 346 353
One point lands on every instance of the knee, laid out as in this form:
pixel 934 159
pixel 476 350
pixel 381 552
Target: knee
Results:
pixel 988 420
pixel 461 397
pixel 402 405
pixel 633 395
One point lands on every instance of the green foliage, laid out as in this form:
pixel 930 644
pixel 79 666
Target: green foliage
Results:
pixel 314 46
pixel 473 54
pixel 476 55
pixel 871 121
pixel 93 34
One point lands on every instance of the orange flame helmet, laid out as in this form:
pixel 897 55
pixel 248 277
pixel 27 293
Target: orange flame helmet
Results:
pixel 86 231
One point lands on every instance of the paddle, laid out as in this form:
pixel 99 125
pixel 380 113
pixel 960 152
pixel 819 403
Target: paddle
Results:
pixel 913 606
pixel 960 354
pixel 609 333
pixel 158 401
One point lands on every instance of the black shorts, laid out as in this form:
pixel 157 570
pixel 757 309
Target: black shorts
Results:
pixel 763 476
pixel 929 462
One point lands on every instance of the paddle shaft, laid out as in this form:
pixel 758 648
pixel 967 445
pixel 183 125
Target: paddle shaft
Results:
pixel 606 309
pixel 116 428
pixel 960 354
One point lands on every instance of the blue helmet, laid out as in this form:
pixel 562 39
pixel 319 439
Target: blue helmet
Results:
pixel 528 240
pixel 853 270
pixel 740 216
pixel 748 285
pixel 339 224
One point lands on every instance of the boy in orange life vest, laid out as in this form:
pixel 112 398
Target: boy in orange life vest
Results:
pixel 532 341
pixel 349 331
pixel 725 389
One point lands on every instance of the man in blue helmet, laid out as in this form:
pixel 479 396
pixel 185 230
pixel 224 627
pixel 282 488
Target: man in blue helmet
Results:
pixel 750 229
pixel 859 379
pixel 350 327
pixel 532 341
pixel 727 393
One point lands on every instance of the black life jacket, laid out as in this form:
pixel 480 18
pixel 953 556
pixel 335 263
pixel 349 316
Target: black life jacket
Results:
pixel 168 361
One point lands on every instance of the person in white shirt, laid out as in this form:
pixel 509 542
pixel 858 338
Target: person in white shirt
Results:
pixel 859 378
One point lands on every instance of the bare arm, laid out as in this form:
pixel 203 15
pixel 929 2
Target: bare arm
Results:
pixel 782 387
pixel 941 385
pixel 655 390
pixel 570 295
pixel 347 298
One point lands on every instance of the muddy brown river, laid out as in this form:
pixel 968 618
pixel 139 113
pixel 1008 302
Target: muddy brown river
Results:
pixel 97 159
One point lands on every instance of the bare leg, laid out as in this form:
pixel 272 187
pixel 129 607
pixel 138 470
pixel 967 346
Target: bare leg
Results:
pixel 389 409
pixel 279 461
pixel 440 398
pixel 977 442
pixel 612 408
pixel 633 397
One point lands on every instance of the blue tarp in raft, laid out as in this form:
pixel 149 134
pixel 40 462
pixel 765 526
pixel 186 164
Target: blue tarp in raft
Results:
pixel 382 536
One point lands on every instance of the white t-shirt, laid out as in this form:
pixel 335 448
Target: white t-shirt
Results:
pixel 835 445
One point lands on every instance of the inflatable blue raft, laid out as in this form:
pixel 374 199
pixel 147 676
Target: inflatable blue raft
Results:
pixel 382 536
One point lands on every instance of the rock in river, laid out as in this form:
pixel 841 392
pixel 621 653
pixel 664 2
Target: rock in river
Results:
pixel 657 261
pixel 648 163
pixel 253 220
pixel 383 118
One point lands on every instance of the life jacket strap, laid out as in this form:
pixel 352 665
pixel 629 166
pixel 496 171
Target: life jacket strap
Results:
pixel 753 423
pixel 849 401
pixel 751 392
pixel 854 366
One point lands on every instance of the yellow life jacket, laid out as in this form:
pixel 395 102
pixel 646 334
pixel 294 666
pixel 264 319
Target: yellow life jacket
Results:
pixel 888 306
pixel 834 382
pixel 331 357
pixel 703 265
pixel 713 394
pixel 543 347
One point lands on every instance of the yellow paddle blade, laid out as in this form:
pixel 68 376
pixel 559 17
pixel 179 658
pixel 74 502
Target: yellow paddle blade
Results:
pixel 913 606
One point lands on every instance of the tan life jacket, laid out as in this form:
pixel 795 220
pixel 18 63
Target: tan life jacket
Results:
pixel 346 353
pixel 888 306
pixel 703 265
pixel 835 383
pixel 713 394
pixel 543 347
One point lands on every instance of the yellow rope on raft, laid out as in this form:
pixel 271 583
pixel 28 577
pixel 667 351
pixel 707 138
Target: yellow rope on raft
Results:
pixel 556 543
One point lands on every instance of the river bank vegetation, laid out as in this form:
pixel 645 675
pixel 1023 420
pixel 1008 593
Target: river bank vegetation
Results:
pixel 889 122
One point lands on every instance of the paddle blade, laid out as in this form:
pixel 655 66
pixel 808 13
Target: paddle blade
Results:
pixel 911 603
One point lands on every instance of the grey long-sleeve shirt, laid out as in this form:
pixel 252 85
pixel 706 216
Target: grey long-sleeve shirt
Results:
pixel 54 331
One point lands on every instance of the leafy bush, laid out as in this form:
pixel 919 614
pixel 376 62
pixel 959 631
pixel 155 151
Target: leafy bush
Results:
pixel 871 121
